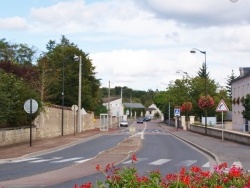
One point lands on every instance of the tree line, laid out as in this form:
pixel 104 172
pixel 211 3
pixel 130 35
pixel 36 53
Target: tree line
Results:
pixel 27 73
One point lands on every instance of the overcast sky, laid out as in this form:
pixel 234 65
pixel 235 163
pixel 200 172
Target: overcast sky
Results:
pixel 138 43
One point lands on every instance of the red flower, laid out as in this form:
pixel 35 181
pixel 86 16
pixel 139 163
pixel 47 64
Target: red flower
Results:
pixel 134 157
pixel 98 168
pixel 206 102
pixel 186 107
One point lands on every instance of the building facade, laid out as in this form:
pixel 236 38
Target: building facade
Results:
pixel 240 88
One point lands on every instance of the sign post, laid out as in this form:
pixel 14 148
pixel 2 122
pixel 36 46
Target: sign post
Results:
pixel 222 107
pixel 177 113
pixel 30 106
pixel 74 108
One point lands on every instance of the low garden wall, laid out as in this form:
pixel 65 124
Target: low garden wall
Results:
pixel 230 135
pixel 49 124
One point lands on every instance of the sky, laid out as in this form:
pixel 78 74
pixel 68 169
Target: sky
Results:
pixel 140 44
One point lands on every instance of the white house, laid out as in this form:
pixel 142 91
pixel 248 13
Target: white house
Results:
pixel 152 109
pixel 240 88
pixel 115 106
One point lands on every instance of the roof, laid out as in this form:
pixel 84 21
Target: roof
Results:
pixel 244 72
pixel 133 105
pixel 109 99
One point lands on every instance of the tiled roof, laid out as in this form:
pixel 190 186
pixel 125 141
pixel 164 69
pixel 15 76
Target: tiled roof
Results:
pixel 133 105
pixel 109 99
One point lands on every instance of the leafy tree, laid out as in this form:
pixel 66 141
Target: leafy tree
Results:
pixel 60 58
pixel 246 104
pixel 14 92
pixel 229 83
pixel 203 71
pixel 16 53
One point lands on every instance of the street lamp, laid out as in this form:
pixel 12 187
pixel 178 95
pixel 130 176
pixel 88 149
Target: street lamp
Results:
pixel 79 58
pixel 180 71
pixel 63 75
pixel 203 52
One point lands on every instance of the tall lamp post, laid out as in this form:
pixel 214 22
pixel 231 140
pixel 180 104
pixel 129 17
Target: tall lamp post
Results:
pixel 203 52
pixel 79 58
pixel 63 75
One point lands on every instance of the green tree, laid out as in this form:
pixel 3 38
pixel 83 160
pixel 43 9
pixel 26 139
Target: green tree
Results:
pixel 246 104
pixel 16 53
pixel 14 92
pixel 60 58
pixel 229 83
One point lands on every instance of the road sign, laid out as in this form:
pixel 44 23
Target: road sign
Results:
pixel 74 108
pixel 177 112
pixel 222 107
pixel 30 106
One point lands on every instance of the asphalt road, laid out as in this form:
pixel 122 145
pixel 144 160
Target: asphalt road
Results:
pixel 58 159
pixel 160 151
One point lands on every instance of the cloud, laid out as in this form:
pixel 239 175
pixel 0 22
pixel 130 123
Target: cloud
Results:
pixel 142 43
pixel 13 23
pixel 200 13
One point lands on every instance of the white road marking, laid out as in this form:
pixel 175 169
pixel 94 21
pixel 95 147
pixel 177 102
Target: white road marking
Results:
pixel 186 163
pixel 206 165
pixel 45 160
pixel 82 161
pixel 24 160
pixel 138 160
pixel 237 164
pixel 67 160
pixel 160 162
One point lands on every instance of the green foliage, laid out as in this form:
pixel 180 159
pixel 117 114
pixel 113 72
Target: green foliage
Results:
pixel 130 95
pixel 246 104
pixel 16 53
pixel 157 115
pixel 59 60
pixel 14 92
pixel 229 83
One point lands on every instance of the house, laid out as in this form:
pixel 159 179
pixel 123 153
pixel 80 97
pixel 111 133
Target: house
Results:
pixel 115 106
pixel 240 88
pixel 152 110
pixel 137 109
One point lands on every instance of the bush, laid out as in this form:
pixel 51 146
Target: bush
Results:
pixel 222 177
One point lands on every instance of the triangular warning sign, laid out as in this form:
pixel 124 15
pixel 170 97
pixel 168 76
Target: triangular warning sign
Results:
pixel 222 107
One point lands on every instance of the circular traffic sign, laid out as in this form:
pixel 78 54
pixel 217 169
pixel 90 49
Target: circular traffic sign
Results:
pixel 74 108
pixel 30 106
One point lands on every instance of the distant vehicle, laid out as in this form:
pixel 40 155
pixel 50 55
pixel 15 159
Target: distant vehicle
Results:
pixel 146 119
pixel 140 120
pixel 124 123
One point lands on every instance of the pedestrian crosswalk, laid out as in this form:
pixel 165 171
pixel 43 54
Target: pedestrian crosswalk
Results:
pixel 78 160
pixel 146 131
pixel 55 160
pixel 158 162
pixel 184 163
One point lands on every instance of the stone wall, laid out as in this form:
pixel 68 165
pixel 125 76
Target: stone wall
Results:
pixel 49 124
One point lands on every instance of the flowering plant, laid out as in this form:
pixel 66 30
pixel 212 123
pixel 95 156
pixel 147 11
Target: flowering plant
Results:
pixel 186 107
pixel 206 102
pixel 222 177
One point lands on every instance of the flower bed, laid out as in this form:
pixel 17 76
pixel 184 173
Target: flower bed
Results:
pixel 222 177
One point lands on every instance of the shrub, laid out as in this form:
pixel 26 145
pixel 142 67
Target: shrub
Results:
pixel 222 177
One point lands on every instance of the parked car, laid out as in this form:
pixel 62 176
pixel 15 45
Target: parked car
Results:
pixel 124 123
pixel 140 120
pixel 146 119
